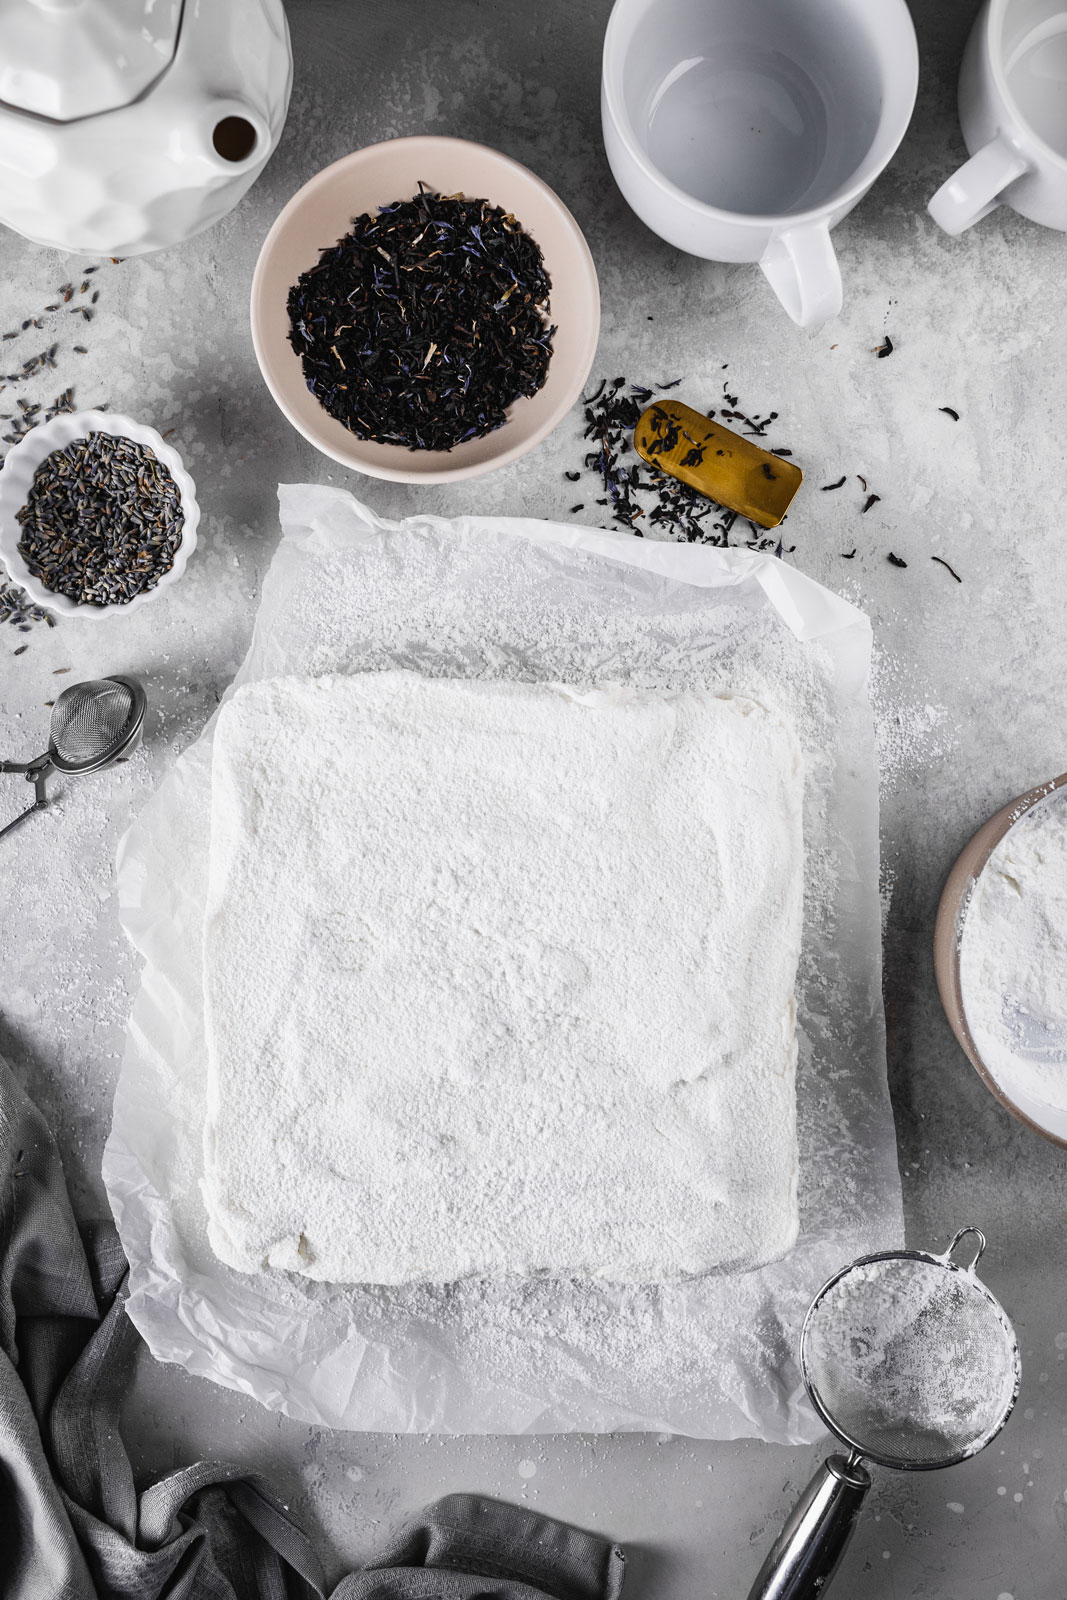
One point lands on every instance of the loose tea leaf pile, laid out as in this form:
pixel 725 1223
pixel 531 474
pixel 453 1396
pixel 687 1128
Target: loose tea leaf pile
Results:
pixel 102 522
pixel 641 497
pixel 424 324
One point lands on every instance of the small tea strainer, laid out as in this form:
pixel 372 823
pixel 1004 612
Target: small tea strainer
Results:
pixel 913 1364
pixel 93 725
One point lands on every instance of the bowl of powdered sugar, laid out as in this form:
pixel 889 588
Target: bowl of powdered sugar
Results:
pixel 1000 954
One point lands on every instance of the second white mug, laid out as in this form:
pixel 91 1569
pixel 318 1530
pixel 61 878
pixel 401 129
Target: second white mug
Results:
pixel 743 130
pixel 1013 114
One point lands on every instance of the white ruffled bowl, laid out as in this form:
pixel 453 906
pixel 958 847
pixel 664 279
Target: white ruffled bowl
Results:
pixel 22 461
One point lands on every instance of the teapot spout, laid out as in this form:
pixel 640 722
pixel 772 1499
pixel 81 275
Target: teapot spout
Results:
pixel 232 135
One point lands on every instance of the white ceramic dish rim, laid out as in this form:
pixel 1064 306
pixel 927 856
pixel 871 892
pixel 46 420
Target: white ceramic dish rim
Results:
pixel 402 474
pixel 873 165
pixel 22 461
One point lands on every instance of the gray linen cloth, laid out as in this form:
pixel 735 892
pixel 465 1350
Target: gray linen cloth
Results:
pixel 72 1523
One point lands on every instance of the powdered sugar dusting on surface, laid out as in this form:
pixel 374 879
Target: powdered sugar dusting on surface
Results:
pixel 912 729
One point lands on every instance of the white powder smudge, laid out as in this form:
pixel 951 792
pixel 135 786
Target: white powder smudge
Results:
pixel 527 1469
pixel 887 882
pixel 911 730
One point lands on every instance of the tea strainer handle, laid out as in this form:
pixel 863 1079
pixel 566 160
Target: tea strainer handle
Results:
pixel 806 1553
pixel 28 767
pixel 35 772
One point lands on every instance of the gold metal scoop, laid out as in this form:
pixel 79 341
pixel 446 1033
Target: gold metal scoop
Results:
pixel 716 462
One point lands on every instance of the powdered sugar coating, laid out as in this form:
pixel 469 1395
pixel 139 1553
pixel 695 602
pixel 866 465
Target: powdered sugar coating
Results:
pixel 499 979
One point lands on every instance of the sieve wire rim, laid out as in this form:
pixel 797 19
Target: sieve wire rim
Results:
pixel 929 1258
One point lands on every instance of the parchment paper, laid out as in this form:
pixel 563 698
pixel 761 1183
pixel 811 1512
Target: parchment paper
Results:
pixel 714 1357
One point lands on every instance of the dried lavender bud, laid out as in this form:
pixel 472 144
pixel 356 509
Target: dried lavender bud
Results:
pixel 102 521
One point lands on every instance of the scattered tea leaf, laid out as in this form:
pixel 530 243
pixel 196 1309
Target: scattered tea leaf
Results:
pixel 943 563
pixel 884 349
pixel 871 500
pixel 895 561
pixel 949 412
pixel 846 555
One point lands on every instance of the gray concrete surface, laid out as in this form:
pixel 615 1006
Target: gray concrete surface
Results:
pixel 969 691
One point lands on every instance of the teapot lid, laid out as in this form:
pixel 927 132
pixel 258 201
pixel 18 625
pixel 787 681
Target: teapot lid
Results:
pixel 66 59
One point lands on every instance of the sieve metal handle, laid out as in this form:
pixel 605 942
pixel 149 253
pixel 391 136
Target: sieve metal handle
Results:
pixel 29 767
pixel 35 772
pixel 806 1553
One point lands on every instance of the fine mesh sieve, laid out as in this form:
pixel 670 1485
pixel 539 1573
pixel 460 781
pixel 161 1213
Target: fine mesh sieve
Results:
pixel 93 724
pixel 912 1362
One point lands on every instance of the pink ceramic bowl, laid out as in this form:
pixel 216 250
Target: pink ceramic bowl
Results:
pixel 323 210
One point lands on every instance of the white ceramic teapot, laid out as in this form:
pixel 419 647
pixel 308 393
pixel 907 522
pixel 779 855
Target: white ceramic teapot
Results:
pixel 127 125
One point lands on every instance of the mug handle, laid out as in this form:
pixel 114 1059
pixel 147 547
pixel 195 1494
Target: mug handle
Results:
pixel 801 267
pixel 975 190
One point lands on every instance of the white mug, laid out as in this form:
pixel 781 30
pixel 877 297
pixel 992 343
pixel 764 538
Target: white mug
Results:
pixel 1013 113
pixel 743 130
